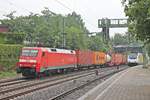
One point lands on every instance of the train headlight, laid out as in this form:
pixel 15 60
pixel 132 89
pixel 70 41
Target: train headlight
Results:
pixel 22 60
pixel 29 61
pixel 32 61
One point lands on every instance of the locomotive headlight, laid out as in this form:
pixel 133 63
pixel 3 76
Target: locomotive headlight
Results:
pixel 32 61
pixel 29 61
pixel 22 60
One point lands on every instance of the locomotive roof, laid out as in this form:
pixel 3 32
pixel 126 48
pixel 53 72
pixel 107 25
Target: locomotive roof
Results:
pixel 52 49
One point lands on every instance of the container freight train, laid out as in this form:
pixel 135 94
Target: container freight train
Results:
pixel 34 61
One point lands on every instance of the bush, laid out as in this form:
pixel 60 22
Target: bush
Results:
pixel 2 38
pixel 12 38
pixel 15 38
pixel 9 56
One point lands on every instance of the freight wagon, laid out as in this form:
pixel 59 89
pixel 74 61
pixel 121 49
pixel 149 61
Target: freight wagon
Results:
pixel 99 58
pixel 117 59
pixel 84 58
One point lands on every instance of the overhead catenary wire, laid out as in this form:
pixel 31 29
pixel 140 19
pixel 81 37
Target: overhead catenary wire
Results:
pixel 65 6
pixel 17 6
pixel 59 2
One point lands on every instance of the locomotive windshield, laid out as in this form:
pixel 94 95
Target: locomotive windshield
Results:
pixel 31 53
pixel 133 56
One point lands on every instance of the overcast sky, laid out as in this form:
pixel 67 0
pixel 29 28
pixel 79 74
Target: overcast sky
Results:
pixel 90 10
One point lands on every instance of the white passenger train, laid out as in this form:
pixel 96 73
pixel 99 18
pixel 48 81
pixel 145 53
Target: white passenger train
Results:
pixel 135 59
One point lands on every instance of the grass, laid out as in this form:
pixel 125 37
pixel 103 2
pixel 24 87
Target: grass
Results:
pixel 7 74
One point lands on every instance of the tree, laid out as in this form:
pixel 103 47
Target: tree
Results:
pixel 48 27
pixel 119 39
pixel 96 43
pixel 148 48
pixel 11 15
pixel 125 39
pixel 138 12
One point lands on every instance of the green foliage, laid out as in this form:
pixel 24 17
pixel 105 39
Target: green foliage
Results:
pixel 138 12
pixel 125 39
pixel 120 39
pixel 47 28
pixel 2 38
pixel 15 38
pixel 96 43
pixel 9 56
pixel 148 48
pixel 75 38
pixel 12 38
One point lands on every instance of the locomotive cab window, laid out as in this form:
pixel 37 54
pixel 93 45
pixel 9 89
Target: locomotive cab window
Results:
pixel 54 50
pixel 133 56
pixel 71 51
pixel 31 53
pixel 43 54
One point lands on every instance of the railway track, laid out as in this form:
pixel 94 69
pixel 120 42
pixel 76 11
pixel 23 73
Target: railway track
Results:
pixel 42 82
pixel 11 79
pixel 21 90
pixel 15 81
pixel 64 94
pixel 18 81
pixel 10 93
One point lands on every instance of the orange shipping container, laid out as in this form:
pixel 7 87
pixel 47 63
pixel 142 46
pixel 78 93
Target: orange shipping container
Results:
pixel 99 58
pixel 118 59
pixel 84 57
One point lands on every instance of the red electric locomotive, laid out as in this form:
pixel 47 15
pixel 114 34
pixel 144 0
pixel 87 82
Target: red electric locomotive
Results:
pixel 36 60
